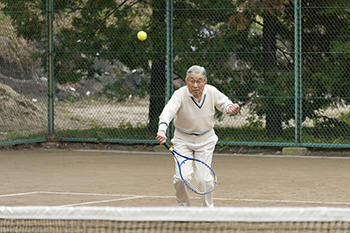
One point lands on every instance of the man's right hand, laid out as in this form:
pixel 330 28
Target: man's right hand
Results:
pixel 161 137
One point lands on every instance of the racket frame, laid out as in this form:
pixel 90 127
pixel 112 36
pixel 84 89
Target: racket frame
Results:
pixel 174 152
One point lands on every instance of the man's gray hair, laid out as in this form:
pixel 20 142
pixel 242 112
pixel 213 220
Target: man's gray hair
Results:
pixel 196 69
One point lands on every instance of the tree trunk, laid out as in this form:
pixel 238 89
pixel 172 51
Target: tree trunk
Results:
pixel 158 73
pixel 273 111
pixel 157 93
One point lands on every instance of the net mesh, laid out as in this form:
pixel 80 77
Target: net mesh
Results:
pixel 168 219
pixel 77 226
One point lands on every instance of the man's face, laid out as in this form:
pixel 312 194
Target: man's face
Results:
pixel 195 83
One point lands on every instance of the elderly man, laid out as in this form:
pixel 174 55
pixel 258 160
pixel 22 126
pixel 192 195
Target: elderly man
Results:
pixel 193 108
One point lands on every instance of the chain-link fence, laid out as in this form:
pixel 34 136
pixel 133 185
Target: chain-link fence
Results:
pixel 23 86
pixel 75 69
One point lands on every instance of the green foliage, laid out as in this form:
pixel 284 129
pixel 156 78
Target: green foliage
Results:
pixel 71 99
pixel 345 117
pixel 11 135
pixel 248 54
pixel 99 133
pixel 27 16
pixel 254 122
pixel 14 135
pixel 85 30
pixel 325 70
pixel 223 148
pixel 280 92
pixel 331 128
pixel 331 132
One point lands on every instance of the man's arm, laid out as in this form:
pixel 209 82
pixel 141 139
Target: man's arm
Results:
pixel 224 104
pixel 167 115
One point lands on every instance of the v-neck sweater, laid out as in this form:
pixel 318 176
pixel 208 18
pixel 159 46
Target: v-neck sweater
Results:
pixel 193 120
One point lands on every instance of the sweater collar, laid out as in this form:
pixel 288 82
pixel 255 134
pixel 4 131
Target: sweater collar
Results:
pixel 199 104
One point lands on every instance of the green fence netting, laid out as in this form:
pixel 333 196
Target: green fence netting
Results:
pixel 75 69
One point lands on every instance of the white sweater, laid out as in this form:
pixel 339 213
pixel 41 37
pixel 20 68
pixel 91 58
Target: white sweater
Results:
pixel 193 121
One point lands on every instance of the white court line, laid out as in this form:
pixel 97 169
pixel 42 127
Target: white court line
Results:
pixel 101 194
pixel 221 199
pixel 86 194
pixel 95 202
pixel 284 201
pixel 18 194
pixel 131 196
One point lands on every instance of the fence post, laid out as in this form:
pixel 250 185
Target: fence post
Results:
pixel 171 58
pixel 300 76
pixel 169 55
pixel 297 71
pixel 50 66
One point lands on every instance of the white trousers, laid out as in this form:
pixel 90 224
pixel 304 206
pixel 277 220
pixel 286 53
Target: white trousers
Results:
pixel 203 151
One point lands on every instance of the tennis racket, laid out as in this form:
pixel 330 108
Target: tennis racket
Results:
pixel 196 174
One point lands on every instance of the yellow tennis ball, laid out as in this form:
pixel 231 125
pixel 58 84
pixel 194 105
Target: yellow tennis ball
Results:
pixel 141 35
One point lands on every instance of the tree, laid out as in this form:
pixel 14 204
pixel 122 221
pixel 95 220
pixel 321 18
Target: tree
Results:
pixel 85 30
pixel 259 35
pixel 200 36
pixel 96 29
pixel 158 75
pixel 274 65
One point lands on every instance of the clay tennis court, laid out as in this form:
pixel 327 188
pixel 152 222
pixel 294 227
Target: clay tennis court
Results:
pixel 41 177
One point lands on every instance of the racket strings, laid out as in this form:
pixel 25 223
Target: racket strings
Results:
pixel 201 177
pixel 197 175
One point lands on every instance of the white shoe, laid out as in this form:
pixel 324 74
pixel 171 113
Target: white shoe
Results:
pixel 183 204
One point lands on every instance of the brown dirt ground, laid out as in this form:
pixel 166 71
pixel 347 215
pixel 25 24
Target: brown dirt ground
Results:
pixel 36 175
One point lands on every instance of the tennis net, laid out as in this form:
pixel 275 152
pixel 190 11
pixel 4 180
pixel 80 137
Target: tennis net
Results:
pixel 169 219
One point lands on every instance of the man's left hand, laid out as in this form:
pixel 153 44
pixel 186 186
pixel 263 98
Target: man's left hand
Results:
pixel 233 109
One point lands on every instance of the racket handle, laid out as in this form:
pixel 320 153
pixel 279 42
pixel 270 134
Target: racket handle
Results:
pixel 167 145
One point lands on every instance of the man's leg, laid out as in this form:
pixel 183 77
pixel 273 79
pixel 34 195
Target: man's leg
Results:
pixel 204 151
pixel 182 196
